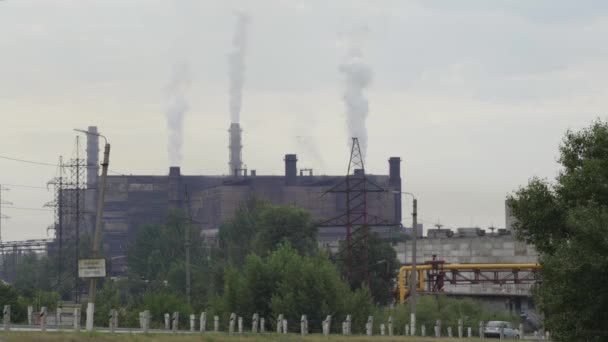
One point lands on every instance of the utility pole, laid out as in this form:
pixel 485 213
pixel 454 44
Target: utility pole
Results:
pixel 414 281
pixel 3 217
pixel 77 287
pixel 97 236
pixel 414 275
pixel 187 244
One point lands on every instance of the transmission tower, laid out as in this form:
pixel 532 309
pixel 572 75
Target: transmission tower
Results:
pixel 69 204
pixel 60 211
pixel 76 185
pixel 356 219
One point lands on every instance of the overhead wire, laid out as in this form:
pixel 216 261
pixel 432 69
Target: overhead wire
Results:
pixel 25 208
pixel 24 186
pixel 27 161
pixel 49 164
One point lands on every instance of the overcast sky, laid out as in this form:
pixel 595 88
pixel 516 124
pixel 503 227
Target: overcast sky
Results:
pixel 474 96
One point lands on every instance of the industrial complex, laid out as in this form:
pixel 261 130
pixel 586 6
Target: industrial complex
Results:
pixel 132 201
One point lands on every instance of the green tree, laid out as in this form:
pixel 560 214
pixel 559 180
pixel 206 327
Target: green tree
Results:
pixel 260 227
pixel 382 265
pixel 236 234
pixel 10 296
pixel 567 221
pixel 291 284
pixel 157 256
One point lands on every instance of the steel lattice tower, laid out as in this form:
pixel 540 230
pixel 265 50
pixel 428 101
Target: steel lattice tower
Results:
pixel 356 219
pixel 69 204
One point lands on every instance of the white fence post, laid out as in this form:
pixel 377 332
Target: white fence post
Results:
pixel 146 320
pixel 167 321
pixel 254 323
pixel 279 323
pixel 303 325
pixel 369 326
pixel 6 317
pixel 460 329
pixel 76 319
pixel 203 322
pixel 43 318
pixel 231 323
pixel 58 313
pixel 327 325
pixel 175 325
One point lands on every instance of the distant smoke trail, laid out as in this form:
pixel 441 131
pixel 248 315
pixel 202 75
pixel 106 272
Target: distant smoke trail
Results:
pixel 312 150
pixel 357 76
pixel 178 106
pixel 236 66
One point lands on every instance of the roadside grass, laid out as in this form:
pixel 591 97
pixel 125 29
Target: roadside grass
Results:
pixel 209 337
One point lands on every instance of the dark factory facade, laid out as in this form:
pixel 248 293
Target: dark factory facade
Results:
pixel 134 201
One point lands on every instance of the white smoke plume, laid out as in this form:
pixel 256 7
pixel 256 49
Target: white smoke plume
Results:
pixel 176 110
pixel 357 76
pixel 236 66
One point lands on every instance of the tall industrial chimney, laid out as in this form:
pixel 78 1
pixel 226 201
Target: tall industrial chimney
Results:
pixel 92 157
pixel 291 169
pixel 394 165
pixel 175 187
pixel 235 165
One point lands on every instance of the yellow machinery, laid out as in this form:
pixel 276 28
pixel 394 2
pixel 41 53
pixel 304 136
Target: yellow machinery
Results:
pixel 434 274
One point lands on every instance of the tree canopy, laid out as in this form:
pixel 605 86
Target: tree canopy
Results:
pixel 259 226
pixel 382 265
pixel 286 282
pixel 567 221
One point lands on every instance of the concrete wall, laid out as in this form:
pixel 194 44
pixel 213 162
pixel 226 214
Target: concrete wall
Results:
pixel 468 250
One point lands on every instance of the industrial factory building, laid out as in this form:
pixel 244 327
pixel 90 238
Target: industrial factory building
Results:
pixel 132 201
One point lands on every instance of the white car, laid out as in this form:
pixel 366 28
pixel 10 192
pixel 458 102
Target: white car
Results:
pixel 493 328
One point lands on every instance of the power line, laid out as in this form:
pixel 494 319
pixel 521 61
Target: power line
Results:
pixel 25 186
pixel 25 208
pixel 49 164
pixel 28 161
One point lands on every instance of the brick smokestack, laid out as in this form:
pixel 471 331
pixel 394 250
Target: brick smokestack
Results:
pixel 291 169
pixel 235 164
pixel 175 187
pixel 394 164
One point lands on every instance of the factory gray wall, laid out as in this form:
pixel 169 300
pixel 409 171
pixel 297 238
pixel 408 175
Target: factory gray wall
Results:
pixel 466 250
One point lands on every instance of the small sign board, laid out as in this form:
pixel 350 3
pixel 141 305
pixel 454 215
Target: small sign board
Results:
pixel 91 268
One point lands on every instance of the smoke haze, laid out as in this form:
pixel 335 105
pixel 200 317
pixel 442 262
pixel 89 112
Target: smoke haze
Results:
pixel 357 76
pixel 176 111
pixel 236 66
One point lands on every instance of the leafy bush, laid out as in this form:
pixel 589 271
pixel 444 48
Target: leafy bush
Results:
pixel 288 283
pixel 431 308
